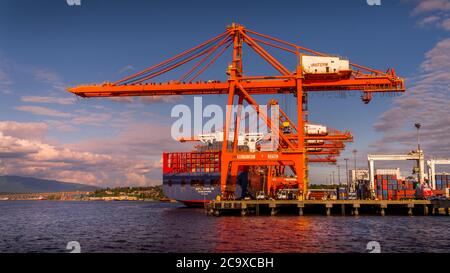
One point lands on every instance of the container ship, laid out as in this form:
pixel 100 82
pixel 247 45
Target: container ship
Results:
pixel 193 178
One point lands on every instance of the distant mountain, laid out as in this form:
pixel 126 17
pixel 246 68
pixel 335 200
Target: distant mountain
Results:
pixel 18 184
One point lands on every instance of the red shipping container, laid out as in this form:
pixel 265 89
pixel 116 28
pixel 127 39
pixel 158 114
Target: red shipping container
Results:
pixel 438 192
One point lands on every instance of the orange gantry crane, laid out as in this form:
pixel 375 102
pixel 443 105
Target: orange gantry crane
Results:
pixel 314 72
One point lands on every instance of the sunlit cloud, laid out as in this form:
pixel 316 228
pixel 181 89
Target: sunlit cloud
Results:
pixel 426 101
pixel 92 119
pixel 161 99
pixel 43 111
pixel 24 130
pixel 37 158
pixel 446 24
pixel 135 138
pixel 43 99
pixel 425 6
pixel 436 12
pixel 428 21
pixel 126 69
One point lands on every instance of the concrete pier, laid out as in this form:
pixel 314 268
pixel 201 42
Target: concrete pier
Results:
pixel 328 207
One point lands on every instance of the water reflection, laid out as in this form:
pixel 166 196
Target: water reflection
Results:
pixel 157 227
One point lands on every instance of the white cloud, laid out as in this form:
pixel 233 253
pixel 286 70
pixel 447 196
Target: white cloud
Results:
pixel 25 130
pixel 161 99
pixel 32 157
pixel 426 101
pixel 438 59
pixel 125 69
pixel 436 11
pixel 61 126
pixel 48 77
pixel 429 20
pixel 122 99
pixel 139 139
pixel 91 119
pixel 43 111
pixel 446 24
pixel 431 6
pixel 44 99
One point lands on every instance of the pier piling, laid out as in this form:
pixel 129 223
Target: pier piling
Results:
pixel 383 206
pixel 425 210
pixel 410 209
pixel 300 209
pixel 273 208
pixel 355 209
pixel 328 208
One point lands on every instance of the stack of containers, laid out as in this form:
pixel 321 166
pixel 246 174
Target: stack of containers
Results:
pixel 442 181
pixel 386 184
pixel 406 190
pixel 390 186
pixel 379 185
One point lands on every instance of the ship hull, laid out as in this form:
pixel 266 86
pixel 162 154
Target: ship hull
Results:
pixel 196 189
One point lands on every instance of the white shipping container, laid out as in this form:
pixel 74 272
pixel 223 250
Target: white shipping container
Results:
pixel 315 129
pixel 312 141
pixel 395 172
pixel 359 174
pixel 218 137
pixel 323 65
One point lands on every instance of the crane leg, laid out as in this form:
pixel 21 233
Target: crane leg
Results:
pixel 224 177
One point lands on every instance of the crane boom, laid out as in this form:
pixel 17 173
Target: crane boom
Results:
pixel 378 84
pixel 357 78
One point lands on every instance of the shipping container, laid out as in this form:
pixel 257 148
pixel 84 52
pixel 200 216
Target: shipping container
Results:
pixel 394 173
pixel 324 65
pixel 191 162
pixel 396 189
pixel 442 181
pixel 315 129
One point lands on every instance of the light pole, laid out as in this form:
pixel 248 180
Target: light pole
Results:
pixel 346 172
pixel 418 125
pixel 333 178
pixel 339 174
pixel 354 177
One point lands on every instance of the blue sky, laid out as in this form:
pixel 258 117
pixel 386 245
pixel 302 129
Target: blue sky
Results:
pixel 46 46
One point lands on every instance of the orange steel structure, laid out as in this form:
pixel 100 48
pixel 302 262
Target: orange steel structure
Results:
pixel 296 148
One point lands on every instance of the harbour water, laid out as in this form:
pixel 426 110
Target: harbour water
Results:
pixel 47 226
